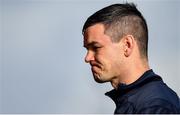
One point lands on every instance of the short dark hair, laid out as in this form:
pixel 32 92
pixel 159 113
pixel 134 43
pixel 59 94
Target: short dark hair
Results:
pixel 120 20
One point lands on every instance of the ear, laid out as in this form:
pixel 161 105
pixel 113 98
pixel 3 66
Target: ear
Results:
pixel 129 43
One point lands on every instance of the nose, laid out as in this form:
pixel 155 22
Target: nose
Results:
pixel 89 56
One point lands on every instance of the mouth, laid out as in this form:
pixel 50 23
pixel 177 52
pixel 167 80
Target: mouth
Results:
pixel 95 65
pixel 97 76
pixel 94 68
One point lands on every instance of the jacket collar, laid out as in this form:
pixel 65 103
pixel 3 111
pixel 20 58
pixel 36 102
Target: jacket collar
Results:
pixel 148 76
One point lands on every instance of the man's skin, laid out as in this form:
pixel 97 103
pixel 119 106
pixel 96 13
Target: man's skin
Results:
pixel 115 62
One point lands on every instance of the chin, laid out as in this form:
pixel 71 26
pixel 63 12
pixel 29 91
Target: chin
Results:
pixel 99 80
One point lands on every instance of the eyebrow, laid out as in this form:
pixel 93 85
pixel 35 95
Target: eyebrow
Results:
pixel 90 44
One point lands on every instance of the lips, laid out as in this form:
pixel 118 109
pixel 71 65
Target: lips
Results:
pixel 94 64
pixel 94 68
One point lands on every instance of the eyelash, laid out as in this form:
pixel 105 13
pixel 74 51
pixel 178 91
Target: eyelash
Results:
pixel 96 48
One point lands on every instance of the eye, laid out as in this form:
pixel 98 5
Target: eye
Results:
pixel 95 48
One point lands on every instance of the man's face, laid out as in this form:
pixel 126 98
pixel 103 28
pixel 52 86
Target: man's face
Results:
pixel 104 56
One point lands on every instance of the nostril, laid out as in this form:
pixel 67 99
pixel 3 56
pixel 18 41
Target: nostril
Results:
pixel 86 59
pixel 89 56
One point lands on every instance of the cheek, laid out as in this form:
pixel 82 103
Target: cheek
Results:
pixel 107 57
pixel 114 58
pixel 99 58
pixel 104 59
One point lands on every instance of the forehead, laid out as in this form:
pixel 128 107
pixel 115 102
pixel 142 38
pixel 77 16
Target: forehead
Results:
pixel 95 33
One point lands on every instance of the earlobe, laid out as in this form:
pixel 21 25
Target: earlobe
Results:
pixel 126 53
pixel 128 45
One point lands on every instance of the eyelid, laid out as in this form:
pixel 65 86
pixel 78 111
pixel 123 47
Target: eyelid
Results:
pixel 97 46
pixel 92 45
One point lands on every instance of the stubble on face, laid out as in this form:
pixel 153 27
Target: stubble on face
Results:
pixel 103 63
pixel 99 73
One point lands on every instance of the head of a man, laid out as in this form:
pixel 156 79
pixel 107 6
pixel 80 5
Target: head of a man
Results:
pixel 114 36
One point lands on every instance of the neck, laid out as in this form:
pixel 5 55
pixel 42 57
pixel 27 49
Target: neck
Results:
pixel 132 72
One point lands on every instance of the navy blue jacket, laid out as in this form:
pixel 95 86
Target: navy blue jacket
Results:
pixel 149 94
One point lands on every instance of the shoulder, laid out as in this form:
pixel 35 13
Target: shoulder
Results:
pixel 157 90
pixel 156 97
pixel 157 106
